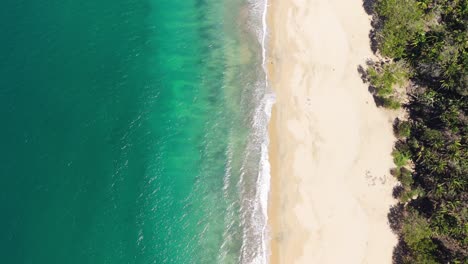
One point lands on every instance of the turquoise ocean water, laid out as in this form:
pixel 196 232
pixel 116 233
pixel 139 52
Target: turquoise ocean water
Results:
pixel 133 131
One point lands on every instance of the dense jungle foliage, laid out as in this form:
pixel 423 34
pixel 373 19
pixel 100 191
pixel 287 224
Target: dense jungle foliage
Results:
pixel 424 49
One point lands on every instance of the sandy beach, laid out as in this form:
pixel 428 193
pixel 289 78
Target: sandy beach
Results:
pixel 329 144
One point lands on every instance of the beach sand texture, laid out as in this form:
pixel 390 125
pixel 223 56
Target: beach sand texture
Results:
pixel 329 144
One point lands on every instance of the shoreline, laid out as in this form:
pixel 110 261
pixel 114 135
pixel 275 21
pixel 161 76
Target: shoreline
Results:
pixel 330 146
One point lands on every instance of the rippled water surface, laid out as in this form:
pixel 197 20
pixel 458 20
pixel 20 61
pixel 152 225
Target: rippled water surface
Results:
pixel 132 131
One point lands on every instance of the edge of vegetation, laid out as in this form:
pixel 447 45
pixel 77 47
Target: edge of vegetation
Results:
pixel 423 67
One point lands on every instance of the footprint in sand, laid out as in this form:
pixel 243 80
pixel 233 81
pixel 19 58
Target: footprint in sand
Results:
pixel 371 180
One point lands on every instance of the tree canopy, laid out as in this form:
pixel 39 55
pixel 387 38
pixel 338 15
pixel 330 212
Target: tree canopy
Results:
pixel 424 49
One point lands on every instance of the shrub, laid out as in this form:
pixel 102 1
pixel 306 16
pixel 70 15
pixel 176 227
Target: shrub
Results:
pixel 406 178
pixel 391 103
pixel 402 129
pixel 417 234
pixel 385 79
pixel 415 229
pixel 409 194
pixel 406 196
pixel 400 158
pixel 395 172
pixel 403 20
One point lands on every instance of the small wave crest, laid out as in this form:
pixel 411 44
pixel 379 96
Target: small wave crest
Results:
pixel 254 209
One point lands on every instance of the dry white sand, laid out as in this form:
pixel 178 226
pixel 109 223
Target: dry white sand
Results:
pixel 329 144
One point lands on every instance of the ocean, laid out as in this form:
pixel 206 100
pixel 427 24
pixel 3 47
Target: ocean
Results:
pixel 133 131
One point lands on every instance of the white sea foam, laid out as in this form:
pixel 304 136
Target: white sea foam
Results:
pixel 263 184
pixel 264 174
pixel 255 194
pixel 255 241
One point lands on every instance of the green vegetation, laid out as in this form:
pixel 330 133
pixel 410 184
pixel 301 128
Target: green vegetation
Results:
pixel 416 229
pixel 405 177
pixel 403 23
pixel 402 129
pixel 417 234
pixel 391 103
pixel 386 78
pixel 401 158
pixel 424 44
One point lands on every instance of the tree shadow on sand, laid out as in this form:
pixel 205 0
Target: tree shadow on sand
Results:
pixel 365 79
pixel 399 252
pixel 395 217
pixel 369 7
